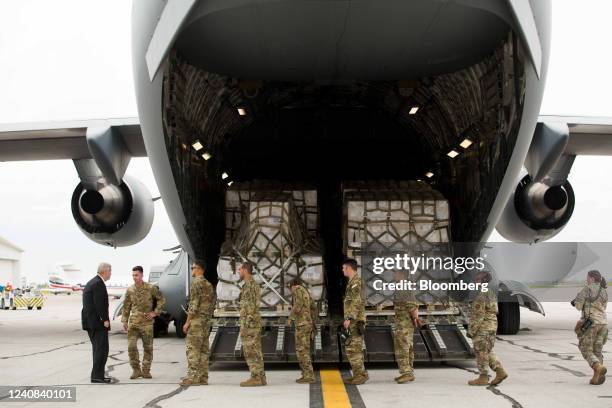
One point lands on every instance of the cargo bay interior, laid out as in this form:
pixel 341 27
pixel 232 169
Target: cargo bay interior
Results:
pixel 454 131
pixel 324 134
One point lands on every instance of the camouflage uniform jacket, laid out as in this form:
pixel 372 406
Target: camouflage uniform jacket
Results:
pixel 301 307
pixel 404 303
pixel 591 304
pixel 403 310
pixel 483 313
pixel 250 297
pixel 354 304
pixel 202 299
pixel 139 301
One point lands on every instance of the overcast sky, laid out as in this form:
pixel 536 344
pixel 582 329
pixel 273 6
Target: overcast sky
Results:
pixel 71 59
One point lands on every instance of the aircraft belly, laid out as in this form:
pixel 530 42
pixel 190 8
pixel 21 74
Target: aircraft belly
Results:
pixel 287 40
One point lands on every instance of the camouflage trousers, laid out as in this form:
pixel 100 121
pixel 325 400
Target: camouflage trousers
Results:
pixel 144 332
pixel 354 352
pixel 302 349
pixel 197 349
pixel 403 337
pixel 483 347
pixel 251 348
pixel 591 343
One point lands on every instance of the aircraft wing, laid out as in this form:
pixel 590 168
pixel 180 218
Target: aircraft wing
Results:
pixel 67 140
pixel 63 140
pixel 589 135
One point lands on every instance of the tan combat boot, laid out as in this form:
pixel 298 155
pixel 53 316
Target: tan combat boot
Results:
pixel 406 378
pixel 254 382
pixel 305 380
pixel 358 379
pixel 595 376
pixel 188 381
pixel 136 373
pixel 599 374
pixel 500 375
pixel 203 380
pixel 481 380
pixel 146 374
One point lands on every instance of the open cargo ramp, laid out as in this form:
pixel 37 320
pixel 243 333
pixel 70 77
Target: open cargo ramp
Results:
pixel 438 342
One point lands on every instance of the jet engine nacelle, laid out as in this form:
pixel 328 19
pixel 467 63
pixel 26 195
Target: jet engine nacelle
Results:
pixel 114 215
pixel 536 211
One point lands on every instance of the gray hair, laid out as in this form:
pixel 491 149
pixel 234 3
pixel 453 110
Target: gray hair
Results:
pixel 103 267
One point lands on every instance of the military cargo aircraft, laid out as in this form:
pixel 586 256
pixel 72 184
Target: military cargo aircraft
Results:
pixel 322 96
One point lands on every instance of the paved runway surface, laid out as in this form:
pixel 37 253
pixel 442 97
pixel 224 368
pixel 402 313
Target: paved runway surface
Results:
pixel 48 347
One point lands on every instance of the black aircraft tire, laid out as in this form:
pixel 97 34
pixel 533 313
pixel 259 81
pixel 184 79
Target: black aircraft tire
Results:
pixel 508 318
pixel 160 327
pixel 178 325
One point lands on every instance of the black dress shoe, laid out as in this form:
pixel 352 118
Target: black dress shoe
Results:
pixel 104 380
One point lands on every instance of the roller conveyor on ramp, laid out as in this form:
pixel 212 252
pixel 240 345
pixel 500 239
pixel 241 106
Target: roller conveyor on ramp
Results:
pixel 435 342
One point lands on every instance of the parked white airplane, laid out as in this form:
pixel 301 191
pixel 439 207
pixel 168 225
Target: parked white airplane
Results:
pixel 59 281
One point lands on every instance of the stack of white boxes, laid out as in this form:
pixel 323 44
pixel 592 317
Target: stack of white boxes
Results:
pixel 277 232
pixel 410 218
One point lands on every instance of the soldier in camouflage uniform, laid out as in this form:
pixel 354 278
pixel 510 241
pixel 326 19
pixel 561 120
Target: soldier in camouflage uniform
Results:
pixel 406 319
pixel 354 321
pixel 592 302
pixel 202 300
pixel 138 318
pixel 302 310
pixel 250 327
pixel 482 330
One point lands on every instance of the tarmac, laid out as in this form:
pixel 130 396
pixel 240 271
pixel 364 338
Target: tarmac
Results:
pixel 48 347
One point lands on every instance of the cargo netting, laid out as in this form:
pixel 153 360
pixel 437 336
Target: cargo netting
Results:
pixel 278 232
pixel 382 220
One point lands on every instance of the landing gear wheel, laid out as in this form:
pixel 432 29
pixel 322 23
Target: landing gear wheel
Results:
pixel 178 325
pixel 508 318
pixel 160 327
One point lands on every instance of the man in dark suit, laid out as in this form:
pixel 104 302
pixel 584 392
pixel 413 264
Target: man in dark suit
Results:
pixel 94 319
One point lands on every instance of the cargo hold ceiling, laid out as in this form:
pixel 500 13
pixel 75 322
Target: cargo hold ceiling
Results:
pixel 286 40
pixel 282 84
pixel 389 129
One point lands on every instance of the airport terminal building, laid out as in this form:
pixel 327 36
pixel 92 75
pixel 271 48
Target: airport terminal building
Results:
pixel 10 262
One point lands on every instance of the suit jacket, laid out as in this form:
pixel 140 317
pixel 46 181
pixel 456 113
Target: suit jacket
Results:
pixel 95 305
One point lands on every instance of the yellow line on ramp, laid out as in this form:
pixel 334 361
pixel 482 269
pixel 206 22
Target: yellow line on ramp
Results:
pixel 333 390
